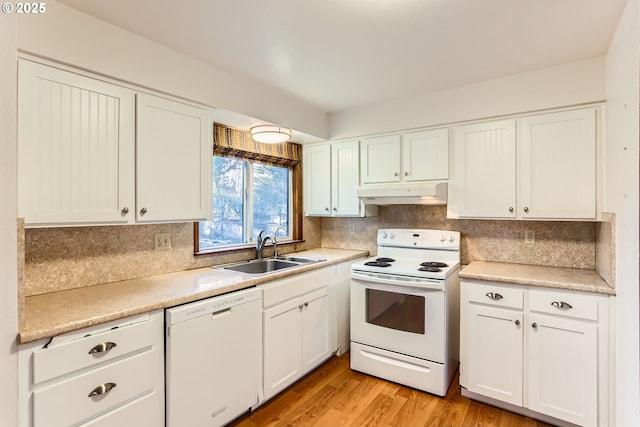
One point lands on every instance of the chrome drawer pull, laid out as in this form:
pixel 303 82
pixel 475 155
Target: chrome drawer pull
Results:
pixel 102 347
pixel 494 297
pixel 102 389
pixel 562 305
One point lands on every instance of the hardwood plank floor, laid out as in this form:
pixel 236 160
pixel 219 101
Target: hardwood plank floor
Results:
pixel 335 396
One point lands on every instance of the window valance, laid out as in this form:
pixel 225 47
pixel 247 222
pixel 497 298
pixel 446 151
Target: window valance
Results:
pixel 230 142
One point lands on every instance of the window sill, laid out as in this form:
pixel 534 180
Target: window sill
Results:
pixel 230 249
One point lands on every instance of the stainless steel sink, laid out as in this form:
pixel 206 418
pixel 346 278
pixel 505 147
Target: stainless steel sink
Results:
pixel 262 266
pixel 301 260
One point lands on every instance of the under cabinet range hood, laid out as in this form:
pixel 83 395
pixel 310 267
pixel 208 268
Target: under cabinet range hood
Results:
pixel 425 193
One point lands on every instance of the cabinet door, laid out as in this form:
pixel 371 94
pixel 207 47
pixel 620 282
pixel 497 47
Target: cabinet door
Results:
pixel 315 329
pixel 345 177
pixel 482 175
pixel 174 152
pixel 317 179
pixel 425 155
pixel 282 346
pixel 563 369
pixel 494 353
pixel 557 165
pixel 75 148
pixel 380 159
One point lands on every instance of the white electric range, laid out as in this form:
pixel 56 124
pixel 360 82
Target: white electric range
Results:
pixel 405 309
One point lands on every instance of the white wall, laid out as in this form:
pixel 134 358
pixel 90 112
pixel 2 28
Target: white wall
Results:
pixel 569 84
pixel 621 197
pixel 8 226
pixel 72 37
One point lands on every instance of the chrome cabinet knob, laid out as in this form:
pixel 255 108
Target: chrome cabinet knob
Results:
pixel 406 173
pixel 335 209
pixel 395 174
pixel 526 209
pixel 143 211
pixel 534 325
pixel 511 209
pixel 517 323
pixel 124 211
pixel 326 209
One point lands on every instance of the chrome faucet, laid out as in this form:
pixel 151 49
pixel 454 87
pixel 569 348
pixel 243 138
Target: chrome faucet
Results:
pixel 260 242
pixel 275 242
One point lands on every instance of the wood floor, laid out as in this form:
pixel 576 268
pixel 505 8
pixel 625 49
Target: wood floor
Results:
pixel 335 396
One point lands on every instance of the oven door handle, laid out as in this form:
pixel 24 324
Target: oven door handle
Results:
pixel 404 281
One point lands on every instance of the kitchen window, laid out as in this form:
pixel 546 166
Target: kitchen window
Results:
pixel 253 190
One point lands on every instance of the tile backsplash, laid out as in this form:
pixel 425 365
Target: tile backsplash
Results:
pixel 66 258
pixel 558 244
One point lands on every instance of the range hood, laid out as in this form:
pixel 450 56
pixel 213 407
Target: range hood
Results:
pixel 426 193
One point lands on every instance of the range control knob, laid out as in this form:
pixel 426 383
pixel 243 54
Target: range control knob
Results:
pixel 452 239
pixel 384 234
pixel 391 235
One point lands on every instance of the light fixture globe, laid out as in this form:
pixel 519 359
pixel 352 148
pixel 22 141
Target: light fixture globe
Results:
pixel 270 134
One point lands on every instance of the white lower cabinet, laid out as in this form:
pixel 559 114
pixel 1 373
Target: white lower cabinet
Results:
pixel 296 328
pixel 100 376
pixel 541 350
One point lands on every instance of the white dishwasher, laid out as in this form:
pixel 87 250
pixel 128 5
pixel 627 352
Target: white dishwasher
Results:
pixel 213 359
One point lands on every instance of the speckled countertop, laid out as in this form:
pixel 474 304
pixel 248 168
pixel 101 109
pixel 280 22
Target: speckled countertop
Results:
pixel 536 275
pixel 55 313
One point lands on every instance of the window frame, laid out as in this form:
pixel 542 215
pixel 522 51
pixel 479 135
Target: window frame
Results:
pixel 295 215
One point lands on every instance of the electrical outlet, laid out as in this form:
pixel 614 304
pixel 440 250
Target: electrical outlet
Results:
pixel 529 237
pixel 162 241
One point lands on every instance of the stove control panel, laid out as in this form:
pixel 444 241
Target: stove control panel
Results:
pixel 419 238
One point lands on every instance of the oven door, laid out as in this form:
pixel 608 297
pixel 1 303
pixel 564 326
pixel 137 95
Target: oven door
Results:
pixel 404 319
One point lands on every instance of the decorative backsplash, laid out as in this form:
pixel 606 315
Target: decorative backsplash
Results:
pixel 558 244
pixel 66 258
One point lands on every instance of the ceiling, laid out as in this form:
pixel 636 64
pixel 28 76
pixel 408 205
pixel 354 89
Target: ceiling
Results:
pixel 341 54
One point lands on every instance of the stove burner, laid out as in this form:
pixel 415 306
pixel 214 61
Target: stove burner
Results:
pixel 377 264
pixel 384 259
pixel 430 269
pixel 433 264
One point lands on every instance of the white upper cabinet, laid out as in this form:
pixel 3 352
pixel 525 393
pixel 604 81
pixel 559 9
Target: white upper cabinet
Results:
pixel 173 160
pixel 317 179
pixel 76 142
pixel 557 165
pixel 331 178
pixel 92 152
pixel 482 176
pixel 410 157
pixel 425 155
pixel 345 158
pixel 380 159
pixel 535 167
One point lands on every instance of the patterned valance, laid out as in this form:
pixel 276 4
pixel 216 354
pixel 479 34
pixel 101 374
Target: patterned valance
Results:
pixel 230 142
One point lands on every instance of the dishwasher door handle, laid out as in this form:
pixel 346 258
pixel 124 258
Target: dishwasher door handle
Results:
pixel 221 313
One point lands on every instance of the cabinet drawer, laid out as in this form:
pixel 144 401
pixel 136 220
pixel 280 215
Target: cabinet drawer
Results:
pixel 98 347
pixel 291 287
pixel 490 294
pixel 563 303
pixel 68 402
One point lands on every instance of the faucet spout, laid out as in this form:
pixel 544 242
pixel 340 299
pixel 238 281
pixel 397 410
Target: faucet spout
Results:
pixel 260 242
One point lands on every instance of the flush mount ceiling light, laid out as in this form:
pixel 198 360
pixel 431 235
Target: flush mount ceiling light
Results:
pixel 270 134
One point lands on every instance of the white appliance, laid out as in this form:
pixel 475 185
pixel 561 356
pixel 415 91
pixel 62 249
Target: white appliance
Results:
pixel 213 359
pixel 405 309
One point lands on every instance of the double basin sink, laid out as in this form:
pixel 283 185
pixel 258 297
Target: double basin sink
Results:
pixel 265 266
